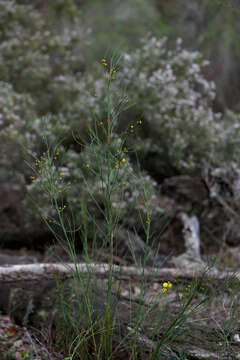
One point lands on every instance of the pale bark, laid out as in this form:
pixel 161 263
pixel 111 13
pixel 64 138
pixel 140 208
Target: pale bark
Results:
pixel 16 273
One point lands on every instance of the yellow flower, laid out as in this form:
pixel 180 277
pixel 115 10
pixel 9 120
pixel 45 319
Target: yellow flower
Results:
pixel 104 62
pixel 88 165
pixel 112 71
pixel 117 165
pixel 124 160
pixel 165 284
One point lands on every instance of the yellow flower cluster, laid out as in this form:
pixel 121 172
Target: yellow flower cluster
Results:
pixel 165 286
pixel 48 219
pixel 112 71
pixel 131 127
pixel 122 161
pixel 43 162
pixel 62 208
pixel 50 179
pixel 39 164
pixel 104 62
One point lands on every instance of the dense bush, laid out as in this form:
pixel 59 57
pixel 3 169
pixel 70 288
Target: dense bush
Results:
pixel 39 57
pixel 175 100
pixel 168 90
pixel 40 67
pixel 162 91
pixel 16 117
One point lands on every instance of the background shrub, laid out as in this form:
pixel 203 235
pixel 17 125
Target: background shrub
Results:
pixel 160 96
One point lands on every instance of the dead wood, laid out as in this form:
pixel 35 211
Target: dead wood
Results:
pixel 17 273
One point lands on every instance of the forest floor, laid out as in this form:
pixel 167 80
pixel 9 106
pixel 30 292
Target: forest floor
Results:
pixel 206 327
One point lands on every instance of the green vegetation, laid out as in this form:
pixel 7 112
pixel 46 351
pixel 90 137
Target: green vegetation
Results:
pixel 84 330
pixel 88 126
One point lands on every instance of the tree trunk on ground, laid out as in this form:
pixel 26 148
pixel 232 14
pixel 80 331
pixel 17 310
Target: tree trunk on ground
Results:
pixel 17 273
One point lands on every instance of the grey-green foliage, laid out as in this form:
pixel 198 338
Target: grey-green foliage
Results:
pixel 175 99
pixel 169 89
pixel 16 117
pixel 41 73
pixel 165 85
pixel 39 56
pixel 40 65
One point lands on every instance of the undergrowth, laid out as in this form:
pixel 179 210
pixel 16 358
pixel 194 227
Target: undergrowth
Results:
pixel 92 324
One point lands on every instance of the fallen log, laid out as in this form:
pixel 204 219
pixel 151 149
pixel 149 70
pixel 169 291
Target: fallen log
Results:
pixel 39 271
